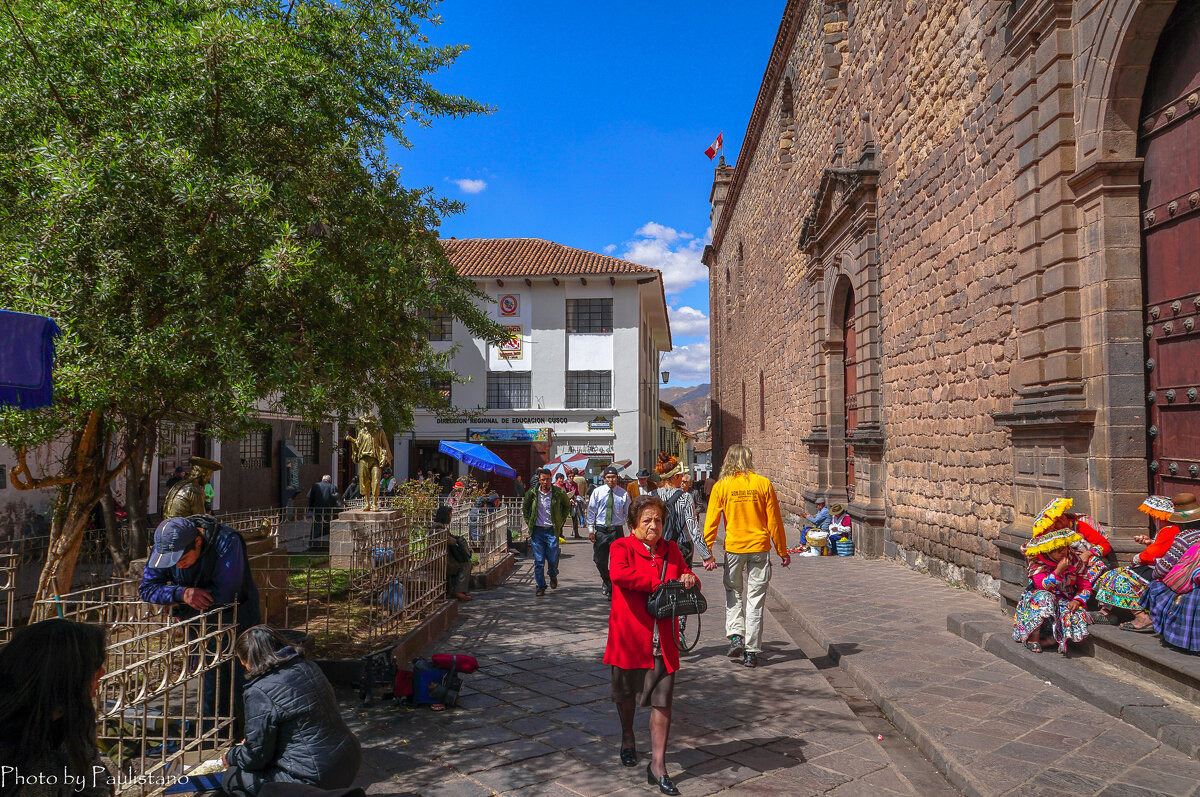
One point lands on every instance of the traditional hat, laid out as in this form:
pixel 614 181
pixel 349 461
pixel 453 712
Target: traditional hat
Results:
pixel 836 509
pixel 207 464
pixel 1186 508
pixel 1053 511
pixel 1047 541
pixel 1158 507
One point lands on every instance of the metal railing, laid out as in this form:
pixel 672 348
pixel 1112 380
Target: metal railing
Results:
pixel 486 531
pixel 151 719
pixel 516 520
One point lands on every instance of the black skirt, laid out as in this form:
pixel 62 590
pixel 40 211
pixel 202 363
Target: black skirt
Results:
pixel 648 687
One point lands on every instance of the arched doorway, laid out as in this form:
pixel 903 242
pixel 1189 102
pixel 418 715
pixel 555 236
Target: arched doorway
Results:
pixel 1170 199
pixel 850 386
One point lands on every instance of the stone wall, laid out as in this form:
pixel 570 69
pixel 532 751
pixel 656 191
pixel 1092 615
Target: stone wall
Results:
pixel 923 156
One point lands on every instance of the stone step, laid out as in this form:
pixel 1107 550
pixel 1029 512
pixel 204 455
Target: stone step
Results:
pixel 1116 683
pixel 1143 655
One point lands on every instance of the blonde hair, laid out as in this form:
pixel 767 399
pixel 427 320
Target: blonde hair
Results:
pixel 738 459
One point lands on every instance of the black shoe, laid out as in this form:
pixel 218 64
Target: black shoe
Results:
pixel 540 592
pixel 553 582
pixel 608 592
pixel 664 783
pixel 750 660
pixel 629 756
pixel 737 646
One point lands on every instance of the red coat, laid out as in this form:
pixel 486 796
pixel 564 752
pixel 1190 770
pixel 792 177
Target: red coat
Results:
pixel 634 575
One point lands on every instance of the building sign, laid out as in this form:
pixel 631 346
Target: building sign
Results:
pixel 508 435
pixel 510 304
pixel 513 348
pixel 600 424
pixel 498 419
pixel 587 449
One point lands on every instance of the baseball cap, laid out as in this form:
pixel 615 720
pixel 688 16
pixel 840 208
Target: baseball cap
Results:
pixel 171 539
pixel 612 470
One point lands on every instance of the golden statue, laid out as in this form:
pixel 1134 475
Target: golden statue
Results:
pixel 371 451
pixel 186 496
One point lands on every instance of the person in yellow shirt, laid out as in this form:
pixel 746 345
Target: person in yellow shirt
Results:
pixel 747 503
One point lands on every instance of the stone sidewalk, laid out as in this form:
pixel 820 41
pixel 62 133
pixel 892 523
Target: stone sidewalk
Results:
pixel 990 726
pixel 537 718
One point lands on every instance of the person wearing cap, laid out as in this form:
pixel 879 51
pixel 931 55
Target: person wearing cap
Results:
pixel 177 476
pixel 820 520
pixel 198 565
pixel 606 513
pixel 545 510
pixel 1174 614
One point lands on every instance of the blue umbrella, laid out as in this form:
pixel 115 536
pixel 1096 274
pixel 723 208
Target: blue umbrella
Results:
pixel 476 456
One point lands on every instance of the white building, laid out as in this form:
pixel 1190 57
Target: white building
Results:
pixel 581 374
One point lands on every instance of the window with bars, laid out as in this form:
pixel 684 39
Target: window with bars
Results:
pixel 307 443
pixel 508 390
pixel 255 449
pixel 587 389
pixel 589 315
pixel 441 325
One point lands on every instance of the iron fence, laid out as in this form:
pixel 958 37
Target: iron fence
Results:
pixel 516 518
pixel 486 531
pixel 152 722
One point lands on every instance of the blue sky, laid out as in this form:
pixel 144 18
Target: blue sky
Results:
pixel 603 112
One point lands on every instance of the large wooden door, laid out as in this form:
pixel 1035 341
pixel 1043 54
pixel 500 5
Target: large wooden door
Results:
pixel 850 387
pixel 1169 140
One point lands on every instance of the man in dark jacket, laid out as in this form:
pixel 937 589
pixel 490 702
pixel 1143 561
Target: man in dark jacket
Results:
pixel 294 728
pixel 323 498
pixel 197 565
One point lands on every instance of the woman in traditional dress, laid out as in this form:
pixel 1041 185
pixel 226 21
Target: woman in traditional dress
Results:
pixel 1059 587
pixel 1176 615
pixel 1122 587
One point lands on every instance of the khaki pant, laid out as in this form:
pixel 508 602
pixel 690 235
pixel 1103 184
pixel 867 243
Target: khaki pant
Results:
pixel 746 577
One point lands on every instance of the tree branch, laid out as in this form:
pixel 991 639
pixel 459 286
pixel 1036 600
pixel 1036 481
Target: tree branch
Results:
pixel 37 62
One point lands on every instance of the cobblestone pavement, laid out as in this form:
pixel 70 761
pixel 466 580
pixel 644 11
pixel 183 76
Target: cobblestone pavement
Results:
pixel 537 718
pixel 993 727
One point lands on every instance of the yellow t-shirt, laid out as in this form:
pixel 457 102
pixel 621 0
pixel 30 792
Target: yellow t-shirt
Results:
pixel 751 511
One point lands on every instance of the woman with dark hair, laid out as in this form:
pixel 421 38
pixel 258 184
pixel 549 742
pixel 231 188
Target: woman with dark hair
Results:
pixel 294 730
pixel 49 674
pixel 643 652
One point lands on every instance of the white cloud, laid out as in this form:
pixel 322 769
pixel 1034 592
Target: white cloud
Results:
pixel 676 254
pixel 469 186
pixel 688 364
pixel 688 322
pixel 608 250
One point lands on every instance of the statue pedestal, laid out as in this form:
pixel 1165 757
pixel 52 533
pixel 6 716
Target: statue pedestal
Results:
pixel 353 531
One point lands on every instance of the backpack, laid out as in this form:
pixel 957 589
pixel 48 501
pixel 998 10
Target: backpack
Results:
pixel 674 526
pixel 1181 577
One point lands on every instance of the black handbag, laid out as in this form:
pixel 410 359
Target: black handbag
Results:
pixel 672 599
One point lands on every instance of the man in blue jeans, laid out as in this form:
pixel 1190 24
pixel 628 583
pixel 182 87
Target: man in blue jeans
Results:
pixel 546 509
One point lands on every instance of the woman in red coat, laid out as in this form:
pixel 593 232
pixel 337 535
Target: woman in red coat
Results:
pixel 643 653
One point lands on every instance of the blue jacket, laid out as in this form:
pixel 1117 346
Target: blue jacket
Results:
pixel 821 520
pixel 223 569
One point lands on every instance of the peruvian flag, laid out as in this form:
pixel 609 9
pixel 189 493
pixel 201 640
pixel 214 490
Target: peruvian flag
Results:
pixel 715 147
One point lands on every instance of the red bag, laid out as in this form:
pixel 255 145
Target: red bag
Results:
pixel 450 661
pixel 404 684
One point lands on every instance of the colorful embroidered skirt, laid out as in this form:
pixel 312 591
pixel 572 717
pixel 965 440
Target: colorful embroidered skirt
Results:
pixel 1176 617
pixel 1039 605
pixel 1121 587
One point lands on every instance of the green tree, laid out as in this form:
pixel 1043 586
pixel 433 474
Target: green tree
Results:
pixel 197 191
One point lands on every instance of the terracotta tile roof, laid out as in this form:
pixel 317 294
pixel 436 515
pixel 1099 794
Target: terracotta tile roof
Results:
pixel 530 257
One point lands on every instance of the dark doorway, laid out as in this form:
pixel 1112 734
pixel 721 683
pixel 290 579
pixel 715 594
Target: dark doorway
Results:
pixel 850 386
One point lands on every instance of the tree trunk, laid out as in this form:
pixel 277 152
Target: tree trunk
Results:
pixel 112 534
pixel 137 489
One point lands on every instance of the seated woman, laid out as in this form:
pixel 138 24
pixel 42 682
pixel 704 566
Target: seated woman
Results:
pixel 49 674
pixel 294 730
pixel 1122 587
pixel 1175 615
pixel 1058 590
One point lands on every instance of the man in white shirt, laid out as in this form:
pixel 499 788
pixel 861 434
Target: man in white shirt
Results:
pixel 606 514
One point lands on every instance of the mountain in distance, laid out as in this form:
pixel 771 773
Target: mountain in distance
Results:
pixel 692 403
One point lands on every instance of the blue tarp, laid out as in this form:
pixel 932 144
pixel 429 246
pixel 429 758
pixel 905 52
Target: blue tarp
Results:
pixel 26 360
pixel 476 456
